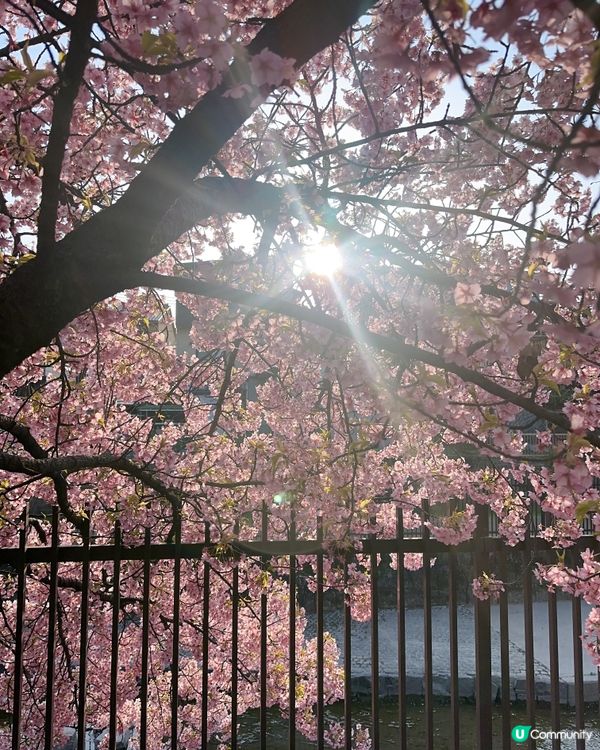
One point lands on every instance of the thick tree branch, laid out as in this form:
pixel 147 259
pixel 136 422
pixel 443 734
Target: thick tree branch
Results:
pixel 24 436
pixel 52 10
pixel 62 465
pixel 40 297
pixel 218 196
pixel 39 39
pixel 299 32
pixel 62 113
pixel 361 334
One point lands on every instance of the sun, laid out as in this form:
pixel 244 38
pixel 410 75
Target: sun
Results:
pixel 323 259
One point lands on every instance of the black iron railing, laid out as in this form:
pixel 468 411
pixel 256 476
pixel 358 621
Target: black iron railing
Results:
pixel 486 554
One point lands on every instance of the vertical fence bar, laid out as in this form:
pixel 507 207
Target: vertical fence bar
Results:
pixel 176 627
pixel 554 668
pixel 292 639
pixel 504 661
pixel 145 644
pixel 235 604
pixel 483 655
pixel 375 733
pixel 320 640
pixel 205 634
pixel 18 678
pixel 453 627
pixel 114 654
pixel 83 642
pixel 263 640
pixel 347 662
pixel 528 624
pixel 50 656
pixel 578 670
pixel 401 628
pixel 427 632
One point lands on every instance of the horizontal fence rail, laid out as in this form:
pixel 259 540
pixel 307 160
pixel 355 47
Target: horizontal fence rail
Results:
pixel 11 556
pixel 129 604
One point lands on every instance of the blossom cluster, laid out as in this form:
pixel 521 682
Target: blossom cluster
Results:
pixel 487 586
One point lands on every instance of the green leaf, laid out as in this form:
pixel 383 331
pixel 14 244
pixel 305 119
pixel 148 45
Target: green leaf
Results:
pixel 25 258
pixel 490 422
pixel 35 76
pixel 585 507
pixel 138 149
pixel 163 44
pixel 577 443
pixel 11 76
pixel 149 42
pixel 544 380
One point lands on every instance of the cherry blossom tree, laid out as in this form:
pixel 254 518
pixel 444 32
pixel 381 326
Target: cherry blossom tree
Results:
pixel 193 151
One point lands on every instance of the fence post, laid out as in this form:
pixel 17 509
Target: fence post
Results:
pixel 292 635
pixel 114 655
pixel 401 627
pixel 483 651
pixel 176 629
pixel 205 634
pixel 145 644
pixel 505 659
pixel 347 661
pixel 320 639
pixel 235 604
pixel 18 676
pixel 453 632
pixel 528 633
pixel 263 632
pixel 578 669
pixel 83 642
pixel 427 630
pixel 52 609
pixel 375 734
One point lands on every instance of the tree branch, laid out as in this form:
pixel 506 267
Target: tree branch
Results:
pixel 40 297
pixel 218 196
pixel 356 331
pixel 61 465
pixel 450 210
pixel 62 113
pixel 24 436
pixel 300 31
pixel 57 13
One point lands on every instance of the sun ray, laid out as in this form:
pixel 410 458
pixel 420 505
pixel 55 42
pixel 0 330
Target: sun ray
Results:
pixel 323 259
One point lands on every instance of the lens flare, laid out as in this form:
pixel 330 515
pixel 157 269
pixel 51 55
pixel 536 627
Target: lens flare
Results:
pixel 323 260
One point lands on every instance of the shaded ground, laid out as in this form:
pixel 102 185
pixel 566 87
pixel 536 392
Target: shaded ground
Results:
pixel 389 727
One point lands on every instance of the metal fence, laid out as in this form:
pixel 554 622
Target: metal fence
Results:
pixel 485 553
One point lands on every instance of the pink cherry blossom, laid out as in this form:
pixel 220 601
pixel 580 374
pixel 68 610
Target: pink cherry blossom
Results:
pixel 466 294
pixel 162 346
pixel 585 257
pixel 456 528
pixel 487 587
pixel 210 16
pixel 269 69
